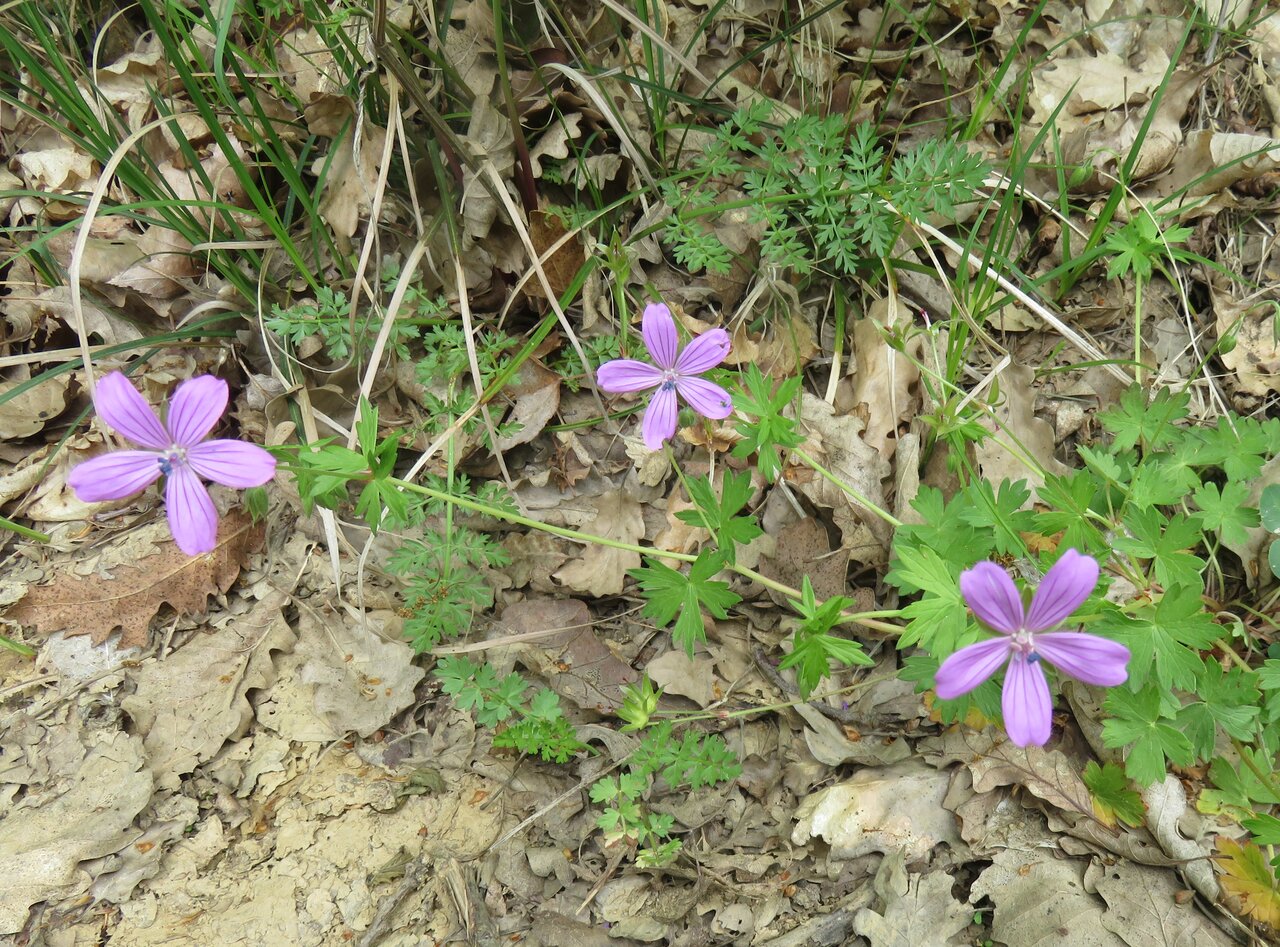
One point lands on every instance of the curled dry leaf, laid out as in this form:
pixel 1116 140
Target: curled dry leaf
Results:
pixel 925 914
pixel 536 393
pixel 1040 898
pixel 26 414
pixel 1048 774
pixel 880 810
pixel 97 606
pixel 884 377
pixel 1015 423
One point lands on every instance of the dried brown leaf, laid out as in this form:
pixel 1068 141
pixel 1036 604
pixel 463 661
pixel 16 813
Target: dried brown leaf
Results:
pixel 26 414
pixel 195 700
pixel 576 664
pixel 600 570
pixel 97 606
pixel 1047 774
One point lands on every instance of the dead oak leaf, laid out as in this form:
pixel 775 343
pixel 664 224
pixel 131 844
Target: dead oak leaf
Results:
pixel 97 606
pixel 601 569
pixel 1047 775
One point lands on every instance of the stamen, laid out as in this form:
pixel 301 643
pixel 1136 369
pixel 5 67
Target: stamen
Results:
pixel 175 457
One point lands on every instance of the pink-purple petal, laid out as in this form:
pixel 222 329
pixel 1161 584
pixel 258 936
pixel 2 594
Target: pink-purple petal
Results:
pixel 1063 589
pixel 627 374
pixel 232 463
pixel 114 476
pixel 1088 658
pixel 994 598
pixel 193 519
pixel 660 337
pixel 195 407
pixel 707 398
pixel 969 667
pixel 127 412
pixel 660 418
pixel 704 353
pixel 1025 703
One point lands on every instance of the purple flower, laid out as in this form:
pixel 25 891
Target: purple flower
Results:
pixel 672 371
pixel 1027 707
pixel 177 449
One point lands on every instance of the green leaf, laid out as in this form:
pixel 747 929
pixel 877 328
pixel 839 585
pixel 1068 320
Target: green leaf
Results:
pixel 1068 500
pixel 937 620
pixel 1138 421
pixel 812 646
pixel 1228 700
pixel 1237 445
pixel 720 515
pixel 1164 639
pixel 367 429
pixel 669 594
pixel 545 704
pixel 1164 541
pixel 1237 790
pixel 639 701
pixel 1269 507
pixel 1158 481
pixel 1226 510
pixel 1106 465
pixel 1265 829
pixel 767 430
pixel 1001 512
pixel 1113 797
pixel 1138 722
pixel 944 531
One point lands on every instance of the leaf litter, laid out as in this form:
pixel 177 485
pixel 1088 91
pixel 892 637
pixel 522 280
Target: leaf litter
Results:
pixel 252 754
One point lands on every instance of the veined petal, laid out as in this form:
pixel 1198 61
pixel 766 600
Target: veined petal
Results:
pixel 659 331
pixel 232 463
pixel 969 667
pixel 193 519
pixel 707 398
pixel 704 353
pixel 989 591
pixel 627 374
pixel 1086 657
pixel 120 405
pixel 195 408
pixel 1061 591
pixel 660 417
pixel 114 476
pixel 1025 703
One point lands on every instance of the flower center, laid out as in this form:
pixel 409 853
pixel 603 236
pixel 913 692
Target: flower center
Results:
pixel 173 457
pixel 1023 642
pixel 669 377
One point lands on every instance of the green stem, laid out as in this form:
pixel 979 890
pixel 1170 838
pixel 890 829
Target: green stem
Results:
pixel 16 647
pixel 844 487
pixel 865 619
pixel 695 715
pixel 23 531
pixel 1137 330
